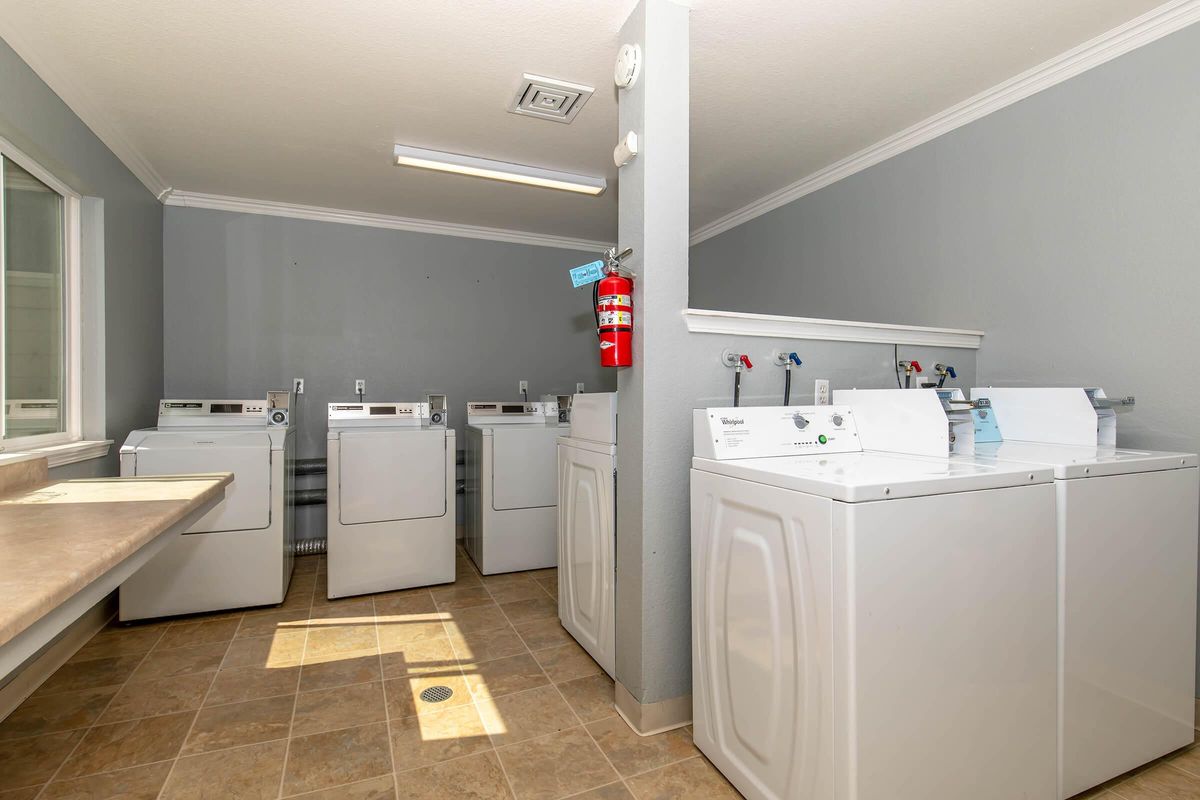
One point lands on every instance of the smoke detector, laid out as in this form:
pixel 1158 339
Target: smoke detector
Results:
pixel 548 98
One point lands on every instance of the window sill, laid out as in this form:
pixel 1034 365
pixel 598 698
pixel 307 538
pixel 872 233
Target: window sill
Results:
pixel 58 455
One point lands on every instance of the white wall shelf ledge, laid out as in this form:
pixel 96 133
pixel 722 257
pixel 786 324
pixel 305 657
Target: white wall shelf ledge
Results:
pixel 58 455
pixel 734 323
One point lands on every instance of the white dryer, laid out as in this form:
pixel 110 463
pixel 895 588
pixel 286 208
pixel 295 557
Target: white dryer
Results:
pixel 390 496
pixel 867 625
pixel 511 470
pixel 587 488
pixel 240 553
pixel 1127 602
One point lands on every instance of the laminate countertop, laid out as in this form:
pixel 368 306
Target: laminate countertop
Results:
pixel 58 537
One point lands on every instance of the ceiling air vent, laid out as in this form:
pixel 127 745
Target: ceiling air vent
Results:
pixel 549 99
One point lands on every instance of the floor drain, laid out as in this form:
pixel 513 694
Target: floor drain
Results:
pixel 437 694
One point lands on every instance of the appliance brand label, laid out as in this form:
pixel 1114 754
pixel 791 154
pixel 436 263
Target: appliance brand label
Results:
pixel 764 431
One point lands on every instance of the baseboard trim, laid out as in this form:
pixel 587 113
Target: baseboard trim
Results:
pixel 41 666
pixel 647 719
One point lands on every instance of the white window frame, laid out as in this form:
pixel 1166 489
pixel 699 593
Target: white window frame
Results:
pixel 72 314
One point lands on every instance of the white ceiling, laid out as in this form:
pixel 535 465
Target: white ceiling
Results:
pixel 301 101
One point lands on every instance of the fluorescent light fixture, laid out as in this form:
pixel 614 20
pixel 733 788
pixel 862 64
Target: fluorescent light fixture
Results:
pixel 498 170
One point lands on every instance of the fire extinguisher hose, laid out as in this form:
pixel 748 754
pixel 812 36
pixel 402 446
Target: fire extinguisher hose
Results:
pixel 595 305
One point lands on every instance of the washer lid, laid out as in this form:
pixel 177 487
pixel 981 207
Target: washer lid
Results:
pixel 861 477
pixel 1076 461
pixel 247 454
pixel 387 475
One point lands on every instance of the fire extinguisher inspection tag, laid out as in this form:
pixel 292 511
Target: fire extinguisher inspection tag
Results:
pixel 588 273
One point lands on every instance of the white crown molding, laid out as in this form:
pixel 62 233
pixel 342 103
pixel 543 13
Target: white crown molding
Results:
pixel 85 108
pixel 1143 30
pixel 271 208
pixel 770 326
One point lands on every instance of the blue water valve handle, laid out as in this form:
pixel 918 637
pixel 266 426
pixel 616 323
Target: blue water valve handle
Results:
pixel 953 374
pixel 795 359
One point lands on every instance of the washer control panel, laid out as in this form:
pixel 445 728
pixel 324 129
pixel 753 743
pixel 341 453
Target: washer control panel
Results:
pixel 385 411
pixel 768 431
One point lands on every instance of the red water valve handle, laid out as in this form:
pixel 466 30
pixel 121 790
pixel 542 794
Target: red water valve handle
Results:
pixel 917 366
pixel 746 362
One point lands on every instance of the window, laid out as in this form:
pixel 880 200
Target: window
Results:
pixel 39 302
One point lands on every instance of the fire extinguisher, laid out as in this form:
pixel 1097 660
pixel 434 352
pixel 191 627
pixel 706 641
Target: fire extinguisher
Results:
pixel 612 297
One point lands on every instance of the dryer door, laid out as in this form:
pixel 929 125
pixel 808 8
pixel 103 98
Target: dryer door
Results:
pixel 391 475
pixel 586 549
pixel 247 454
pixel 524 462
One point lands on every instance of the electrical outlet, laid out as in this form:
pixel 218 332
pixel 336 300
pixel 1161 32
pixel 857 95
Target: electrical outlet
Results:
pixel 360 386
pixel 298 385
pixel 579 388
pixel 821 392
pixel 522 387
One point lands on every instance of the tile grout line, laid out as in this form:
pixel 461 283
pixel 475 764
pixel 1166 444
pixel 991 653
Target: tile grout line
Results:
pixel 566 702
pixel 153 648
pixel 287 747
pixel 87 730
pixel 504 770
pixel 622 779
pixel 203 700
pixel 383 690
pixel 474 706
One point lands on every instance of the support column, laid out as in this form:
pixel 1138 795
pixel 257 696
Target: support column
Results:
pixel 653 531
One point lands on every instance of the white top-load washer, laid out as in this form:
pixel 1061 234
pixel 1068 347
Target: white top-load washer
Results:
pixel 391 496
pixel 511 501
pixel 1126 538
pixel 1127 602
pixel 587 524
pixel 240 553
pixel 868 626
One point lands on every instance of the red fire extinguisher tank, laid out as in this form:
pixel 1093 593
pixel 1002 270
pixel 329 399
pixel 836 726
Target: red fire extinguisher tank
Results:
pixel 614 320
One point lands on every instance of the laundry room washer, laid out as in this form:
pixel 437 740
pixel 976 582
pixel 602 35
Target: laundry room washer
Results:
pixel 865 625
pixel 1127 523
pixel 240 553
pixel 511 470
pixel 390 496
pixel 587 487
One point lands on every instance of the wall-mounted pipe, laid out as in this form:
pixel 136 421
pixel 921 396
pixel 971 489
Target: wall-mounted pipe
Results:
pixel 311 466
pixel 309 497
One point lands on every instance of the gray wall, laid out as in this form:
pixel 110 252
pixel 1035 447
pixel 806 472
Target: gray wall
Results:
pixel 252 302
pixel 34 119
pixel 1066 226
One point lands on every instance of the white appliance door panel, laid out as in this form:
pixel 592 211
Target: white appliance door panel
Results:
pixel 761 636
pixel 391 475
pixel 524 466
pixel 247 503
pixel 586 549
pixel 949 604
pixel 1129 612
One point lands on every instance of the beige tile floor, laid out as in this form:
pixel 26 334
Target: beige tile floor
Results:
pixel 1175 776
pixel 320 699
